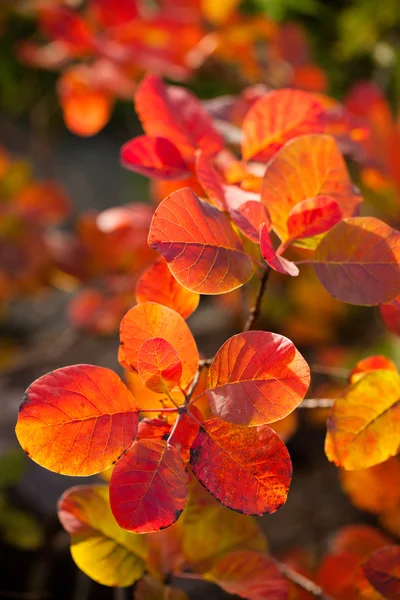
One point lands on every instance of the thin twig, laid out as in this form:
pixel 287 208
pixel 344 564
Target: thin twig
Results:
pixel 317 403
pixel 302 582
pixel 256 309
pixel 202 364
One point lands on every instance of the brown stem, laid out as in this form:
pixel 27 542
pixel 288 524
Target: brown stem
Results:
pixel 256 309
pixel 202 364
pixel 302 582
pixel 317 403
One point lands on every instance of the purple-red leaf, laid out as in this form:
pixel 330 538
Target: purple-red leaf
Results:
pixel 276 262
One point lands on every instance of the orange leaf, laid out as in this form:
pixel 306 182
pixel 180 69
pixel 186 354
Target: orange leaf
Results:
pixel 249 217
pixel 382 570
pixel 358 261
pixel 371 363
pixel 276 262
pixel 313 216
pixel 150 320
pixel 358 539
pixel 246 469
pixel 176 114
pixel 277 117
pixel 390 314
pixel 148 487
pixel 256 378
pixel 159 365
pixel 77 420
pixel 202 250
pixel 210 180
pixel 154 157
pixel 44 203
pixel 364 426
pixel 186 432
pixel 249 575
pixel 157 284
pixel 304 168
pixel 153 428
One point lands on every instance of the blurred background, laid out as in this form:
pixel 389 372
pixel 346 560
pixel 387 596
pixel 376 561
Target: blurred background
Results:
pixel 73 222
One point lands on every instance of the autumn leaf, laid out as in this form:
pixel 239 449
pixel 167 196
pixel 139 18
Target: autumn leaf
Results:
pixel 150 320
pixel 246 469
pixel 186 432
pixel 277 117
pixel 43 203
pixel 157 284
pixel 364 427
pixel 99 547
pixel 210 180
pixel 199 244
pixel 276 262
pixel 390 314
pixel 159 365
pixel 249 575
pixel 371 363
pixel 313 216
pixel 358 261
pixel 154 157
pixel 77 420
pixel 148 487
pixel 305 168
pixel 150 588
pixel 382 569
pixel 256 378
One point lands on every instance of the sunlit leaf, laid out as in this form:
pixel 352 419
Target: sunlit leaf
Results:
pixel 149 487
pixel 210 180
pixel 276 262
pixel 77 420
pixel 249 575
pixel 277 117
pixel 101 549
pixel 153 589
pixel 371 363
pixel 157 284
pixel 159 365
pixel 256 378
pixel 151 320
pixel 186 432
pixel 382 570
pixel 306 167
pixel 153 157
pixel 202 250
pixel 313 216
pixel 358 261
pixel 246 469
pixel 364 426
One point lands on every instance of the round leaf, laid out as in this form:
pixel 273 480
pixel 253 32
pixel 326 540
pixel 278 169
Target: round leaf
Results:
pixel 159 365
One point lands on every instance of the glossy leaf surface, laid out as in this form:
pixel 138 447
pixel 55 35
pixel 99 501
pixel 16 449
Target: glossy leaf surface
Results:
pixel 256 378
pixel 159 365
pixel 151 320
pixel 100 548
pixel 358 261
pixel 157 284
pixel 199 244
pixel 77 420
pixel 154 157
pixel 149 487
pixel 306 167
pixel 364 426
pixel 249 575
pixel 276 118
pixel 246 469
pixel 276 262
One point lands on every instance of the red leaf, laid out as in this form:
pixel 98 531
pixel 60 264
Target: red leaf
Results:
pixel 358 261
pixel 249 575
pixel 249 217
pixel 256 378
pixel 382 570
pixel 157 284
pixel 77 420
pixel 148 487
pixel 186 432
pixel 246 469
pixel 306 167
pixel 150 320
pixel 202 250
pixel 176 114
pixel 153 428
pixel 371 363
pixel 277 117
pixel 159 365
pixel 278 263
pixel 313 216
pixel 114 14
pixel 390 314
pixel 210 180
pixel 154 157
